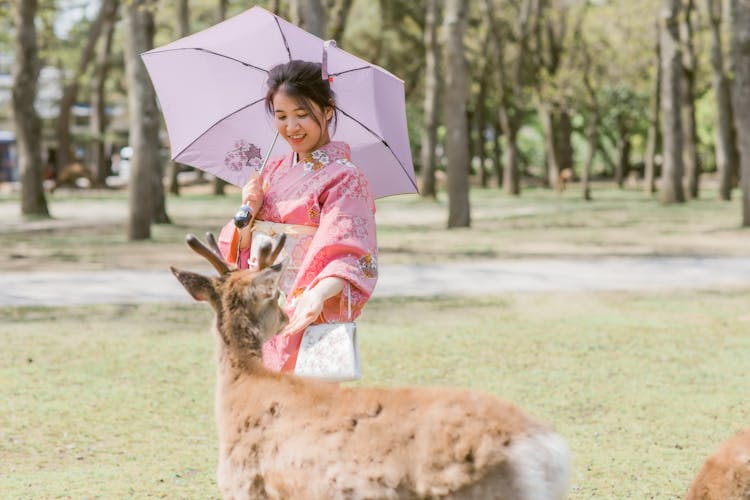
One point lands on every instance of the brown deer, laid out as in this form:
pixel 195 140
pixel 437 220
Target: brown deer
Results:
pixel 70 174
pixel 725 475
pixel 281 436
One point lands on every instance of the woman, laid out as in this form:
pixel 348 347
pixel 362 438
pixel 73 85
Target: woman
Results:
pixel 321 201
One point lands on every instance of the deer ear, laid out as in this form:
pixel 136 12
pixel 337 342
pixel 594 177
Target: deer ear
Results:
pixel 197 285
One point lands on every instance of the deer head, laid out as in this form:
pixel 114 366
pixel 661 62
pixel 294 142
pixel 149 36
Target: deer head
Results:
pixel 245 302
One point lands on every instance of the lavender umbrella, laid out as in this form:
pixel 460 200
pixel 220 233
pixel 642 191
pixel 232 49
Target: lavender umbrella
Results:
pixel 211 86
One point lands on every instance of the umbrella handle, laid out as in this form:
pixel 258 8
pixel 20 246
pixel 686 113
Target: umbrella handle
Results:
pixel 244 213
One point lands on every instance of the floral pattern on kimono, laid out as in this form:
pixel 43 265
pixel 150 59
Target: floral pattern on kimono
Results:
pixel 326 190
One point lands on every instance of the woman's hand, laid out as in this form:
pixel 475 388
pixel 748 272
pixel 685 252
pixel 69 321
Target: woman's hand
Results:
pixel 252 194
pixel 310 304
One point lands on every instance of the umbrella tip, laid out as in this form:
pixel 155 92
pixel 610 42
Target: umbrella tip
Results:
pixel 324 60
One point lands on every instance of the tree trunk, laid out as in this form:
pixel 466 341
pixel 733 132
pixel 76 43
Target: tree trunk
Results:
pixel 652 141
pixel 511 182
pixel 310 16
pixel 623 155
pixel 563 141
pixel 431 92
pixel 548 129
pixel 741 55
pixel 183 30
pixel 98 99
pixel 724 128
pixel 689 133
pixel 219 183
pixel 456 95
pixel 497 151
pixel 510 85
pixel 70 92
pixel 339 18
pixel 144 120
pixel 480 122
pixel 587 166
pixel 25 118
pixel 672 170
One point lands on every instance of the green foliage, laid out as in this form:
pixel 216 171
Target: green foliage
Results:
pixel 607 62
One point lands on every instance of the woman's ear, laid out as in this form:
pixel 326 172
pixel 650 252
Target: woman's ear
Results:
pixel 329 113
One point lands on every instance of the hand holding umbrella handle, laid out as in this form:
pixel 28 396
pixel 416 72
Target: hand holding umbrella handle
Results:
pixel 243 216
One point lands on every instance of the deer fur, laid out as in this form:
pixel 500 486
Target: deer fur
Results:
pixel 285 437
pixel 725 475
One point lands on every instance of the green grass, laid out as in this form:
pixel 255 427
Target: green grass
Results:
pixel 116 401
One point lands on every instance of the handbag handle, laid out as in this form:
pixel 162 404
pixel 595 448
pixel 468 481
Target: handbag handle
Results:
pixel 348 301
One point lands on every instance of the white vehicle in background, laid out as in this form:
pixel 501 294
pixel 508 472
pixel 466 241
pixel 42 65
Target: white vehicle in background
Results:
pixel 121 168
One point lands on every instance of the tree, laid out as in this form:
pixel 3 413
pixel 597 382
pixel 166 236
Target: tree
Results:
pixel 98 99
pixel 589 104
pixel 338 19
pixel 183 30
pixel 309 15
pixel 70 92
pixel 510 81
pixel 652 140
pixel 741 55
pixel 431 92
pixel 221 12
pixel 726 157
pixel 455 102
pixel 672 171
pixel 27 123
pixel 144 121
pixel 551 32
pixel 689 133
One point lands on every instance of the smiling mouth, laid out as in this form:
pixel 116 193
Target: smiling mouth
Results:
pixel 296 138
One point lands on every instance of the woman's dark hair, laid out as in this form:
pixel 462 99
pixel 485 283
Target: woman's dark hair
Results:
pixel 301 80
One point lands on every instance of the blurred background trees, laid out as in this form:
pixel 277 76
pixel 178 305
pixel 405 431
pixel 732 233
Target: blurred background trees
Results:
pixel 501 94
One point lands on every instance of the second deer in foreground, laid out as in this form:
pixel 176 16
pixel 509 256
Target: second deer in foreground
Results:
pixel 281 436
pixel 725 475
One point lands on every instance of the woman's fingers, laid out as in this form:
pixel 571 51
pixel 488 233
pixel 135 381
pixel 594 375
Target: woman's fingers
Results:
pixel 297 324
pixel 309 307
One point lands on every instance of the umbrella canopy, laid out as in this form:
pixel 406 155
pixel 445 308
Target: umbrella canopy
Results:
pixel 211 87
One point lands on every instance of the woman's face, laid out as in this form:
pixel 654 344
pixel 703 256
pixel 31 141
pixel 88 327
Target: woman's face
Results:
pixel 298 126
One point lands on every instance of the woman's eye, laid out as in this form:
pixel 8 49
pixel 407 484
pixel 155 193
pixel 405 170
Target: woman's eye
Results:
pixel 302 116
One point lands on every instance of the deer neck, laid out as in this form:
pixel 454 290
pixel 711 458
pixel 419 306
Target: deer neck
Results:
pixel 238 343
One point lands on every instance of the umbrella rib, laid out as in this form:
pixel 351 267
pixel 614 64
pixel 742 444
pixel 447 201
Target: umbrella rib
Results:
pixel 349 71
pixel 216 123
pixel 213 53
pixel 384 144
pixel 281 32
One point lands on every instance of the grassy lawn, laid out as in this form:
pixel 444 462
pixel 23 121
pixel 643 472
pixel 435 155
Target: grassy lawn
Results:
pixel 116 401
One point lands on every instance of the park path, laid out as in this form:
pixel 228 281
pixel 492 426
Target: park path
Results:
pixel 445 279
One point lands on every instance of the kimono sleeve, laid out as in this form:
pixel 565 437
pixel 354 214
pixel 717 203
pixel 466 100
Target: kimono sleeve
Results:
pixel 345 243
pixel 227 243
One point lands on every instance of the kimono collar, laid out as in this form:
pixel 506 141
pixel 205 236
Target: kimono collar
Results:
pixel 327 153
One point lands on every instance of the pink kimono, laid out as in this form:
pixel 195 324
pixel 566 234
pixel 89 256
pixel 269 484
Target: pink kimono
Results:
pixel 328 193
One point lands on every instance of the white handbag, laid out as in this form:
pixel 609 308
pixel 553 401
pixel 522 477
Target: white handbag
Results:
pixel 329 351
